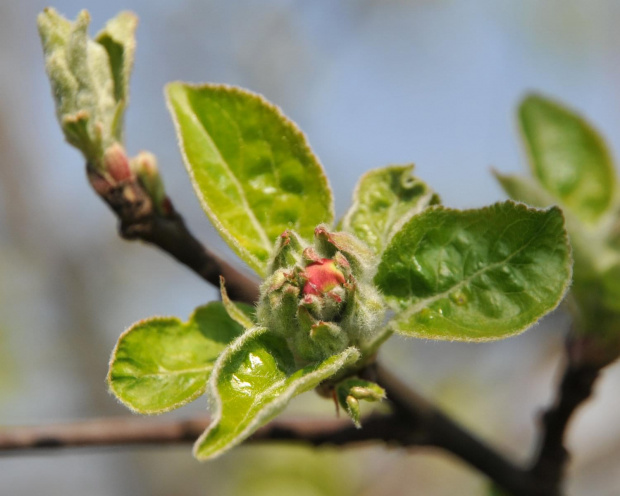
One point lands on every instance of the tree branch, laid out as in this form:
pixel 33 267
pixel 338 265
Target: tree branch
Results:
pixel 582 368
pixel 413 422
pixel 138 219
pixel 430 427
pixel 132 431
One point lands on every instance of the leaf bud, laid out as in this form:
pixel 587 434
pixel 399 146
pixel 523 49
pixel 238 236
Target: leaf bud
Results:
pixel 145 167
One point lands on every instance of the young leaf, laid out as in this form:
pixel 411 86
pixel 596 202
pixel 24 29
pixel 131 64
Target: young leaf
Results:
pixel 568 157
pixel 384 200
pixel 251 168
pixel 475 275
pixel 79 72
pixel 162 363
pixel 243 314
pixel 118 39
pixel 524 189
pixel 253 381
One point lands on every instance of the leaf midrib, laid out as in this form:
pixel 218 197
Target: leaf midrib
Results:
pixel 195 370
pixel 250 213
pixel 408 313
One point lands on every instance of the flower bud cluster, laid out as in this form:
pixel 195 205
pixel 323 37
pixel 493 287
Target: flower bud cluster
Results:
pixel 320 297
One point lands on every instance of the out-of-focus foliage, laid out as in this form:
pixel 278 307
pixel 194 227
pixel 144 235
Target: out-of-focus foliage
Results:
pixel 572 168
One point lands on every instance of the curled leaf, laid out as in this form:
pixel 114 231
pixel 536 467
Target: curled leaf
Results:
pixel 252 382
pixel 161 363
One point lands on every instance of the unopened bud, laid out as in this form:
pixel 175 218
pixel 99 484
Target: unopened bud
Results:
pixel 116 163
pixel 322 276
pixel 319 297
pixel 351 391
pixel 145 167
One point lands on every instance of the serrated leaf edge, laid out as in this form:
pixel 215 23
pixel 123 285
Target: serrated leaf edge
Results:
pixel 345 222
pixel 272 408
pixel 131 328
pixel 393 325
pixel 243 253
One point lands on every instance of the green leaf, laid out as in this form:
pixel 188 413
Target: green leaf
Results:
pixel 568 157
pixel 252 382
pixel 589 249
pixel 251 168
pixel 162 363
pixel 475 275
pixel 524 190
pixel 384 200
pixel 118 39
pixel 82 83
pixel 243 314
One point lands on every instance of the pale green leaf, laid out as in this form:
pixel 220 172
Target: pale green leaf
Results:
pixel 251 168
pixel 252 382
pixel 384 200
pixel 524 190
pixel 241 313
pixel 568 157
pixel 82 84
pixel 118 39
pixel 162 363
pixel 475 275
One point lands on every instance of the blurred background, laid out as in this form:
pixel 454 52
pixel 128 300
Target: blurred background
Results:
pixel 371 82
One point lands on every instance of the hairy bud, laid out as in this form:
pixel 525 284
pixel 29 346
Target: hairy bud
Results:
pixel 116 163
pixel 320 297
pixel 145 167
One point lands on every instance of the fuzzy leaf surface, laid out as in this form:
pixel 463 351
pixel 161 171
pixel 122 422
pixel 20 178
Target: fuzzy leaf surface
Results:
pixel 251 168
pixel 568 157
pixel 162 363
pixel 384 200
pixel 253 381
pixel 475 275
pixel 82 84
pixel 118 39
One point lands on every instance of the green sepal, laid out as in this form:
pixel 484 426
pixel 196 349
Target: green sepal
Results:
pixel 251 167
pixel 243 314
pixel 384 200
pixel 568 157
pixel 252 382
pixel 161 363
pixel 475 275
pixel 351 391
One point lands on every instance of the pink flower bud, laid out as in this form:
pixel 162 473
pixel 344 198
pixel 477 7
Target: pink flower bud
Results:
pixel 321 277
pixel 116 163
